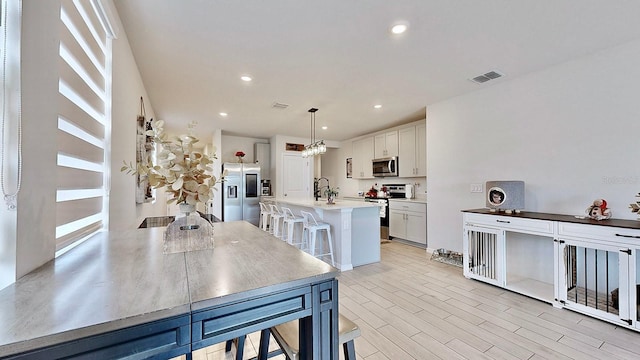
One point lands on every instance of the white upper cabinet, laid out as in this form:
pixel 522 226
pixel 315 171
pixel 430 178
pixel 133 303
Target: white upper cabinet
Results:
pixel 362 156
pixel 263 158
pixel 386 145
pixel 412 151
pixel 421 149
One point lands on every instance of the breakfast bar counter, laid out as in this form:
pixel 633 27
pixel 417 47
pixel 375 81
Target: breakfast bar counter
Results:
pixel 355 227
pixel 117 295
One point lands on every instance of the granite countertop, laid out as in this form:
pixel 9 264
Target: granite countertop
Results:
pixel 120 279
pixel 322 203
pixel 415 200
pixel 362 198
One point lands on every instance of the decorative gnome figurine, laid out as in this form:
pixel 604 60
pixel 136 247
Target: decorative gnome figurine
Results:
pixel 599 210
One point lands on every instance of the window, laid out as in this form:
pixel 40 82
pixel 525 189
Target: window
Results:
pixel 10 119
pixel 83 121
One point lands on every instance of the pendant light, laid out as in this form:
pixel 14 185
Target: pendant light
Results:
pixel 315 147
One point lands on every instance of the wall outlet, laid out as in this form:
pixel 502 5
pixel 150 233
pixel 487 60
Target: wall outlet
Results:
pixel 476 188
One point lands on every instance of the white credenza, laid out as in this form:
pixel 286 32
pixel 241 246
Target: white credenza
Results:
pixel 581 264
pixel 408 220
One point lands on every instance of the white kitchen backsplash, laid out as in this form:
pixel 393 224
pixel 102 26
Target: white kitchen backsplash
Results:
pixel 420 185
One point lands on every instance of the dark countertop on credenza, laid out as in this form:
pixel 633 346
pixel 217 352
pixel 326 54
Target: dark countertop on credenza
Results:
pixel 621 223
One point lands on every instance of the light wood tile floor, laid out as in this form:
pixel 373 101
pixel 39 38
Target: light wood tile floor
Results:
pixel 409 307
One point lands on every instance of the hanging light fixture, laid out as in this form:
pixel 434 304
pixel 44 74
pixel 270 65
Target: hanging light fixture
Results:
pixel 315 147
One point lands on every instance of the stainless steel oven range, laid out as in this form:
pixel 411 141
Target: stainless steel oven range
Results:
pixel 393 191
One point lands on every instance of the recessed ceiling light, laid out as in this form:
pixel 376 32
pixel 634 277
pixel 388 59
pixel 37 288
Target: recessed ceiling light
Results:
pixel 377 106
pixel 324 128
pixel 223 114
pixel 246 78
pixel 399 28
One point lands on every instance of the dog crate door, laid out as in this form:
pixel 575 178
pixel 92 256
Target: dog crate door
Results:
pixel 596 279
pixel 483 252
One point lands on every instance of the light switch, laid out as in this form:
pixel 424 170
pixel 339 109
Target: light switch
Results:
pixel 476 188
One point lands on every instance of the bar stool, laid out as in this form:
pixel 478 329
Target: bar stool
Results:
pixel 265 217
pixel 289 227
pixel 239 342
pixel 310 233
pixel 275 220
pixel 286 336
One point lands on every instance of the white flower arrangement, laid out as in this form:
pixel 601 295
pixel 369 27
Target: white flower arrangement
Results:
pixel 331 192
pixel 180 170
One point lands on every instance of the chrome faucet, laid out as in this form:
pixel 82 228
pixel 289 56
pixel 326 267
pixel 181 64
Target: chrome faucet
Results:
pixel 316 187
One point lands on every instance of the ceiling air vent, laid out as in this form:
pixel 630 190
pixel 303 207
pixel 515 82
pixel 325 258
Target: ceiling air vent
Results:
pixel 487 76
pixel 277 105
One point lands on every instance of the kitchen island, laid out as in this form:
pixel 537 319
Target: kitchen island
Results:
pixel 117 295
pixel 355 227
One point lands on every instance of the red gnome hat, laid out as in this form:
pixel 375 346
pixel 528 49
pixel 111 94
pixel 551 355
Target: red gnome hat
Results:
pixel 603 206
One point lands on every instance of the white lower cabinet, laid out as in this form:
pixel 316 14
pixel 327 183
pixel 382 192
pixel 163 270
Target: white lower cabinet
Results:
pixel 483 251
pixel 568 262
pixel 634 291
pixel 514 253
pixel 408 220
pixel 600 270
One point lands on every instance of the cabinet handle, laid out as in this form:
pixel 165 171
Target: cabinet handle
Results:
pixel 504 221
pixel 628 236
pixel 627 251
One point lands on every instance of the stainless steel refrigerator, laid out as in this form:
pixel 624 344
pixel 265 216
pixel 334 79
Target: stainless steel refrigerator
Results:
pixel 241 192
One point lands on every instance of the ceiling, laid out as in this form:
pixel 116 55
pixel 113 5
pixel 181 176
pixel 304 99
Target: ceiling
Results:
pixel 340 57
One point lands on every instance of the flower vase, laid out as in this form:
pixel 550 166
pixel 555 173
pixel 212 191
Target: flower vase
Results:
pixel 186 208
pixel 330 200
pixel 240 159
pixel 189 232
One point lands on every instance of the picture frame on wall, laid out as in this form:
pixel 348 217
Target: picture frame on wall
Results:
pixel 349 168
pixel 144 150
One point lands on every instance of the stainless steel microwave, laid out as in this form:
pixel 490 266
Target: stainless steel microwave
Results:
pixel 385 167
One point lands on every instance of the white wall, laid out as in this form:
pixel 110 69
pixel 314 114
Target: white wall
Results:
pixel 127 85
pixel 570 132
pixel 232 144
pixel 33 244
pixel 216 204
pixel 333 167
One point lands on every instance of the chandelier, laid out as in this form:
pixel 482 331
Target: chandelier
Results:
pixel 315 147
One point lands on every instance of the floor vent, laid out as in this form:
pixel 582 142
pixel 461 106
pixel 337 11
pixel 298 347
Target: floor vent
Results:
pixel 487 76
